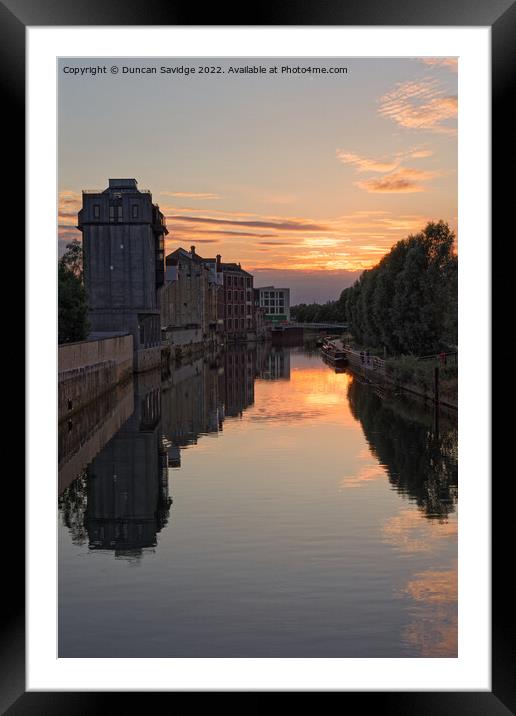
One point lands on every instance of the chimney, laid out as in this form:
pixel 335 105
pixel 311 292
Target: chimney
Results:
pixel 219 257
pixel 192 250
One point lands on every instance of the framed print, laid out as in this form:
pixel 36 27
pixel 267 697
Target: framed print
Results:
pixel 253 254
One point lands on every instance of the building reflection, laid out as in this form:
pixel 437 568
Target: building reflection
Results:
pixel 191 406
pixel 128 497
pixel 273 364
pixel 84 434
pixel 199 396
pixel 238 379
pixel 121 501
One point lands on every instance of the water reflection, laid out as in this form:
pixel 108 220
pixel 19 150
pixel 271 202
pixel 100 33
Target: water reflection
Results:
pixel 84 434
pixel 121 502
pixel 265 445
pixel 417 453
pixel 401 434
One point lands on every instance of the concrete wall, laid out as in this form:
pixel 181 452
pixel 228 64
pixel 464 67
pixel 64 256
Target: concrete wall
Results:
pixel 88 369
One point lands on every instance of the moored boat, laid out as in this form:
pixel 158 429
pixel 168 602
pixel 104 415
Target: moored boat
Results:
pixel 333 351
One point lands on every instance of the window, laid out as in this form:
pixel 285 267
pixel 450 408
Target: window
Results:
pixel 115 213
pixel 96 211
pixel 134 213
pixel 230 324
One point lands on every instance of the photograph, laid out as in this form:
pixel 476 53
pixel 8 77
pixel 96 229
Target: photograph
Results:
pixel 257 293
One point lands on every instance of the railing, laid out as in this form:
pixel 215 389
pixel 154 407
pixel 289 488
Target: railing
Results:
pixel 366 361
pixel 443 358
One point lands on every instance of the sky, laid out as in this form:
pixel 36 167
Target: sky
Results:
pixel 306 179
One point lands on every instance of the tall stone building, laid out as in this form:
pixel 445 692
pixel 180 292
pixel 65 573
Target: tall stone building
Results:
pixel 124 265
pixel 189 300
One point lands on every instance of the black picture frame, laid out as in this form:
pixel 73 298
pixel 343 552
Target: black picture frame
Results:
pixel 500 16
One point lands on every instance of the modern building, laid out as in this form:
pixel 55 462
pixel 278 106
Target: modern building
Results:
pixel 124 265
pixel 275 302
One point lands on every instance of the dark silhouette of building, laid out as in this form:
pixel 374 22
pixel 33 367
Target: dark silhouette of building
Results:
pixel 124 265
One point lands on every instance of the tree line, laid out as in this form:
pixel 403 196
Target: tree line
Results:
pixel 407 303
pixel 72 301
pixel 317 312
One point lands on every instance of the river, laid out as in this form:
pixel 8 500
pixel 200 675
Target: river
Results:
pixel 258 504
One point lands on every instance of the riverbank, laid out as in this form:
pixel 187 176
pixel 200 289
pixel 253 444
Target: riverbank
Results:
pixel 432 378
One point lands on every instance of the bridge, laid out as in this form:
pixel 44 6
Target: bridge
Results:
pixel 319 326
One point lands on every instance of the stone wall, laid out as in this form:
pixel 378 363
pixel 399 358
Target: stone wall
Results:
pixel 88 369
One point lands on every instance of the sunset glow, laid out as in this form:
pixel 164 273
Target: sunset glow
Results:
pixel 285 175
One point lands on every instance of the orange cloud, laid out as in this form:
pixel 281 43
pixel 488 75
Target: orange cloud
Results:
pixel 420 105
pixel 268 241
pixel 365 164
pixel 451 63
pixel 402 181
pixel 290 225
pixel 420 153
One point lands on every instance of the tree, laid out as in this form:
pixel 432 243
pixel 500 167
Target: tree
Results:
pixel 408 302
pixel 72 300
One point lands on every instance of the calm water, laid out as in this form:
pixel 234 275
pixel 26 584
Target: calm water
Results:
pixel 258 505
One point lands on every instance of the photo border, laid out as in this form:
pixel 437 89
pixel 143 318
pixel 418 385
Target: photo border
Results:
pixel 497 14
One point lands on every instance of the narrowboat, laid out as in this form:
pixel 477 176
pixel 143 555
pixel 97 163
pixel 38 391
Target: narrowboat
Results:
pixel 333 351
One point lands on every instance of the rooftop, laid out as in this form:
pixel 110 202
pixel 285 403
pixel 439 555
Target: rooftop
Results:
pixel 119 185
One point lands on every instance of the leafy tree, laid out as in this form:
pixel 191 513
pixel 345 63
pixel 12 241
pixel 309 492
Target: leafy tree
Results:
pixel 72 300
pixel 408 302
